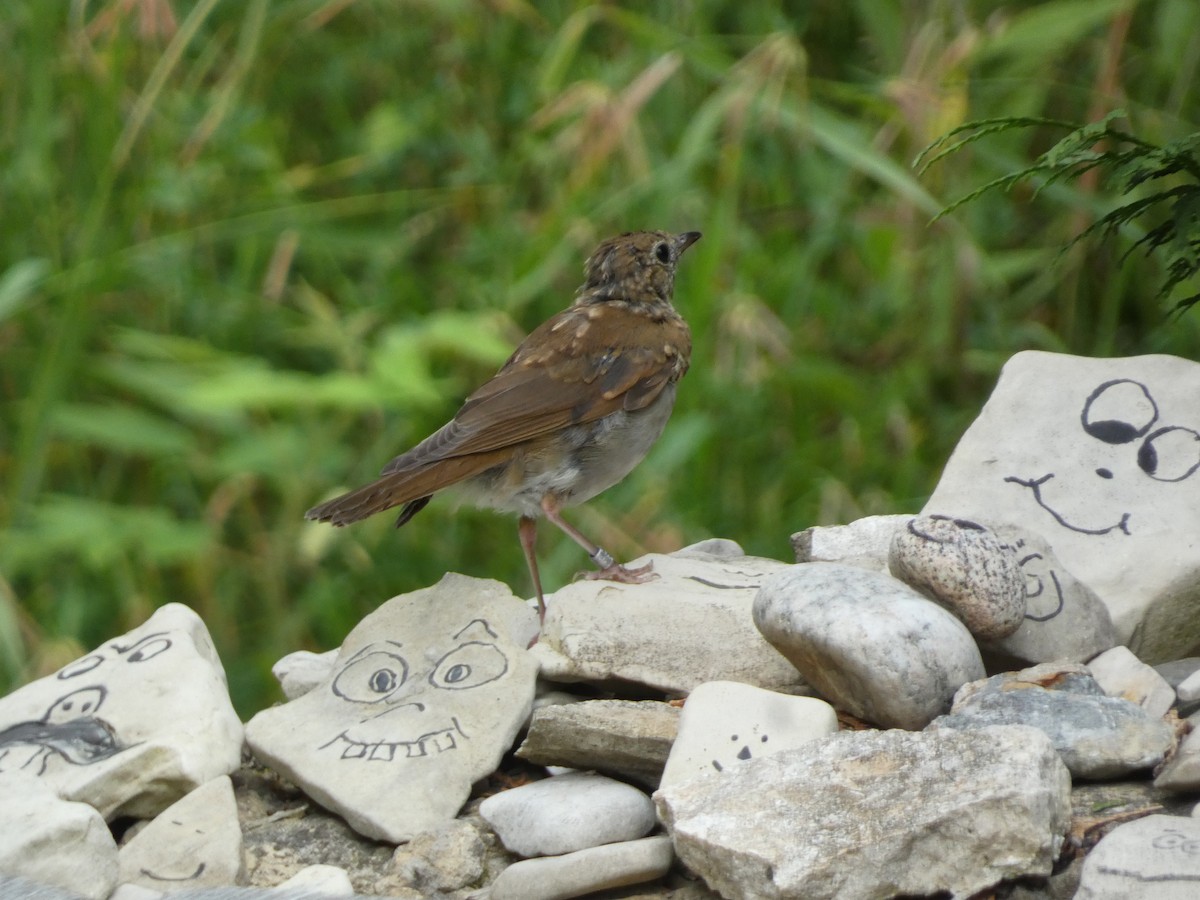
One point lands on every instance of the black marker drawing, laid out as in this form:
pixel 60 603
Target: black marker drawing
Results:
pixel 69 731
pixel 1118 413
pixel 398 705
pixel 743 754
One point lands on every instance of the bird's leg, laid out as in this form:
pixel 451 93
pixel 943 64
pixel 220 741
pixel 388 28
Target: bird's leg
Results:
pixel 527 529
pixel 610 569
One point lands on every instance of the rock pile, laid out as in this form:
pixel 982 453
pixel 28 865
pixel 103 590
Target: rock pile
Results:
pixel 932 704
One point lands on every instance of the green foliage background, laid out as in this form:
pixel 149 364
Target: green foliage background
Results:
pixel 251 250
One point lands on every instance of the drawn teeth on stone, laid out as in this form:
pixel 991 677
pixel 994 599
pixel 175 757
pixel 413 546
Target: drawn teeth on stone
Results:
pixel 383 752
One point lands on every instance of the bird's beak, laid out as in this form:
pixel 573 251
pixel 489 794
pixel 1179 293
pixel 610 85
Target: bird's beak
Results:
pixel 685 240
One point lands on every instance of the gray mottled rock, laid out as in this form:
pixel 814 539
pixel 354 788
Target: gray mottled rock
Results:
pixel 1064 618
pixel 585 871
pixel 874 814
pixel 1121 674
pixel 1182 771
pixel 132 726
pixel 1105 466
pixel 1155 857
pixel 725 723
pixel 661 633
pixel 195 842
pixel 449 858
pixel 427 694
pixel 568 813
pixel 864 542
pixel 300 672
pixel 867 642
pixel 963 566
pixel 52 841
pixel 1097 736
pixel 629 738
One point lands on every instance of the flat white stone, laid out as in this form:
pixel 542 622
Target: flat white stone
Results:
pixel 320 880
pixel 662 633
pixel 864 542
pixel 1121 674
pixel 300 672
pixel 964 567
pixel 1064 618
pixel 132 726
pixel 1189 688
pixel 875 814
pixel 585 871
pixel 428 694
pixel 1155 857
pixel 867 642
pixel 725 723
pixel 52 841
pixel 195 842
pixel 1096 735
pixel 1102 457
pixel 568 813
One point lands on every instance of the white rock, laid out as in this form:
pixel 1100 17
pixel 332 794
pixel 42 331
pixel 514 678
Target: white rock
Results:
pixel 428 694
pixel 1121 674
pixel 567 813
pixel 662 633
pixel 864 542
pixel 300 672
pixel 867 642
pixel 325 881
pixel 195 842
pixel 1101 457
pixel 1182 771
pixel 132 726
pixel 964 567
pixel 1155 857
pixel 1064 618
pixel 1189 688
pixel 1097 736
pixel 134 892
pixel 725 723
pixel 52 841
pixel 875 814
pixel 585 871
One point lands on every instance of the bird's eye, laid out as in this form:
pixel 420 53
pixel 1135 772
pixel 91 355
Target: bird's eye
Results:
pixel 663 252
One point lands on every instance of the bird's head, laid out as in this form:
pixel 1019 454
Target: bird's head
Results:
pixel 635 267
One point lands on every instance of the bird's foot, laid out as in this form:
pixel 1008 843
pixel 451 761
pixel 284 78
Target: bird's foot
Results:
pixel 614 571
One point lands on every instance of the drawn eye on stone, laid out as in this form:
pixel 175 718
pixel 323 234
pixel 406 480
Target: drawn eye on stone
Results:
pixel 1170 454
pixel 81 666
pixel 469 665
pixel 149 649
pixel 76 705
pixel 371 677
pixel 1119 411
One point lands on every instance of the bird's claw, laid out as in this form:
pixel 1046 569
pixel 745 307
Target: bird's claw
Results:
pixel 623 575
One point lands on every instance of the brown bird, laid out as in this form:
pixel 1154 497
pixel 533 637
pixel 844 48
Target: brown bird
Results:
pixel 574 409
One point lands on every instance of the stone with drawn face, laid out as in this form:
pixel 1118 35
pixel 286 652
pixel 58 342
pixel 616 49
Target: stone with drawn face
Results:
pixel 132 726
pixel 1102 458
pixel 426 695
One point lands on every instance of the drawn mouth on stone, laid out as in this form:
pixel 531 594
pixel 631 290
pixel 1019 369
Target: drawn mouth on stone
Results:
pixel 429 744
pixel 1035 486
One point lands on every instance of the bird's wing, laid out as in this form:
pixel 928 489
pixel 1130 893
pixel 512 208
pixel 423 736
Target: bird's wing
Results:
pixel 579 366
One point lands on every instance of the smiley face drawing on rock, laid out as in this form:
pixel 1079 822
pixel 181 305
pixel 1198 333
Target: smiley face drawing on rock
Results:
pixel 398 708
pixel 1121 420
pixel 427 694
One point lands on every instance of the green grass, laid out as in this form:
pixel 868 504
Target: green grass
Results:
pixel 246 260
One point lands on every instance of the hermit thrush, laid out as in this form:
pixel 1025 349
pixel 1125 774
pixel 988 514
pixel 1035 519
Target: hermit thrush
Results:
pixel 574 409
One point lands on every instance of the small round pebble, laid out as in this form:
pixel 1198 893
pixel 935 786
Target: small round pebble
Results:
pixel 567 813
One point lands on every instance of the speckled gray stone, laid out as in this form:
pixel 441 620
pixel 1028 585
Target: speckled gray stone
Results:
pixel 966 568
